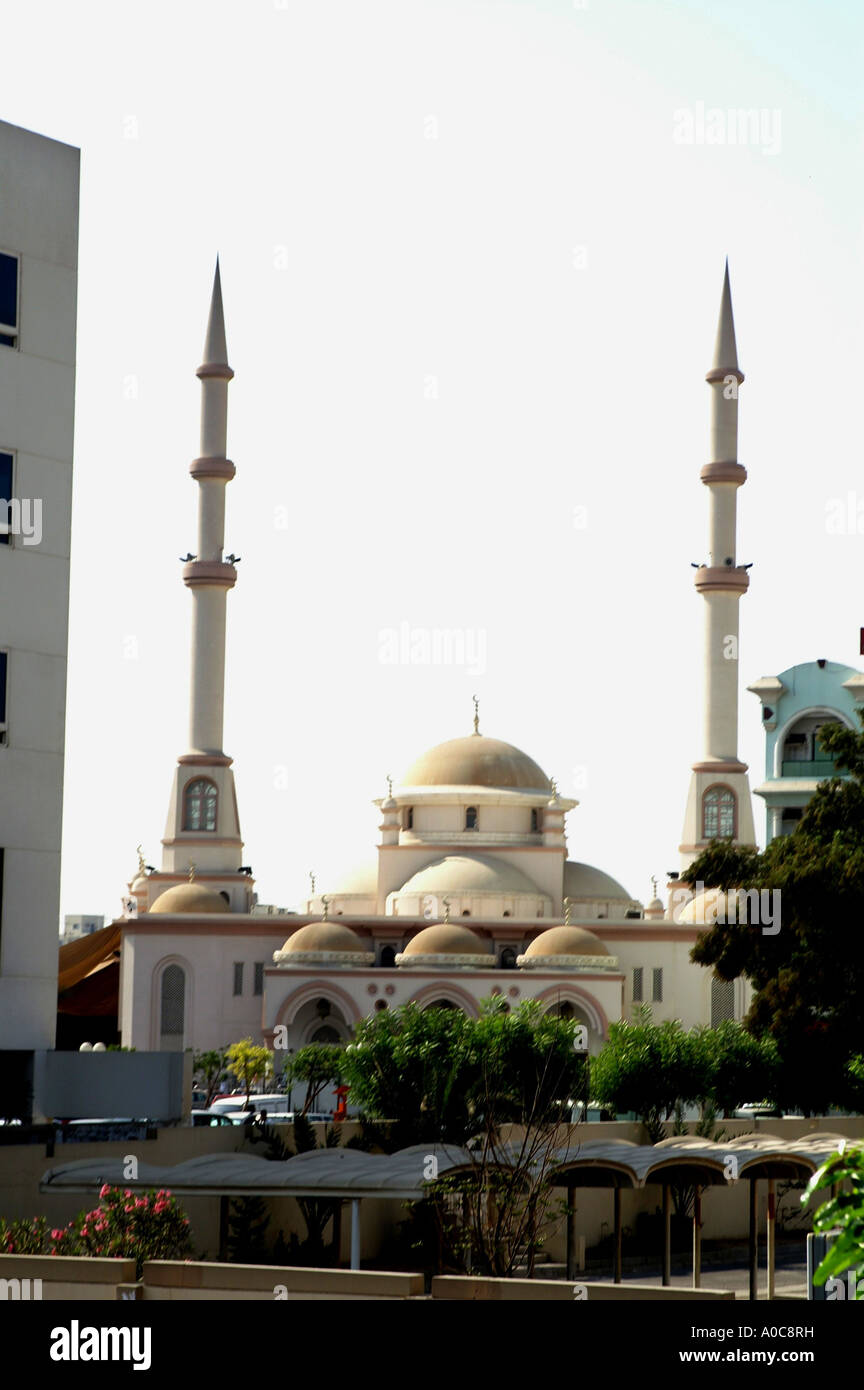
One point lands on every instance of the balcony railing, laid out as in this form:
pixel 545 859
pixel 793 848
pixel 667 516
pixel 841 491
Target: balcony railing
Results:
pixel 819 767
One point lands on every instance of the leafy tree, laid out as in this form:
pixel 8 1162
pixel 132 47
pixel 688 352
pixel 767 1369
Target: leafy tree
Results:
pixel 319 1065
pixel 808 978
pixel 650 1068
pixel 249 1063
pixel 210 1066
pixel 844 1214
pixel 739 1066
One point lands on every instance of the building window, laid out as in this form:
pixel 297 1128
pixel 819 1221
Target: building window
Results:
pixel 637 985
pixel 258 986
pixel 238 977
pixel 409 818
pixel 4 667
pixel 718 814
pixel 507 959
pixel 199 805
pixel 535 821
pixel 722 1001
pixel 471 818
pixel 172 1011
pixel 5 498
pixel 657 985
pixel 387 957
pixel 8 299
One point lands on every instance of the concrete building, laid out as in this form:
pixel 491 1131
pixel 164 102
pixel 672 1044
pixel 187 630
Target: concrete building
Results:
pixel 74 927
pixel 38 294
pixel 795 705
pixel 469 891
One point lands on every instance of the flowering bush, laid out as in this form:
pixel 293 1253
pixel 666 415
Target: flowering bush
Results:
pixel 147 1227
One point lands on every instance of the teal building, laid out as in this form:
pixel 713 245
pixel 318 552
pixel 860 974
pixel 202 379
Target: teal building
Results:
pixel 795 705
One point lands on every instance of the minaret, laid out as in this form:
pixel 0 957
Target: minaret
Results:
pixel 203 827
pixel 719 802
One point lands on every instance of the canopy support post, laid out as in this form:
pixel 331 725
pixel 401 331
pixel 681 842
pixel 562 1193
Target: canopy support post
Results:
pixel 771 1231
pixel 617 1235
pixel 697 1238
pixel 753 1248
pixel 355 1232
pixel 667 1235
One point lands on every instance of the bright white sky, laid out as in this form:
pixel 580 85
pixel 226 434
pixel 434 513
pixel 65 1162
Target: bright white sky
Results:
pixel 365 266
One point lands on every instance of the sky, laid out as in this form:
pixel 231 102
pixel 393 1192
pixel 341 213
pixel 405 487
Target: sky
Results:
pixel 472 254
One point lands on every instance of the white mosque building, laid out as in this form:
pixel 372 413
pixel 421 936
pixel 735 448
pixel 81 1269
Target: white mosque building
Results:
pixel 470 891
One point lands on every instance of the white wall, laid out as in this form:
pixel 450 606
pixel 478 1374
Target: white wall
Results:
pixel 39 223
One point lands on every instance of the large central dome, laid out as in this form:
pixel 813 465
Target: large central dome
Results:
pixel 477 761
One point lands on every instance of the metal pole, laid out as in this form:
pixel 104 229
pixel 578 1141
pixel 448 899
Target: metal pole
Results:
pixel 697 1238
pixel 667 1235
pixel 770 1230
pixel 617 1235
pixel 223 1228
pixel 571 1234
pixel 355 1232
pixel 753 1253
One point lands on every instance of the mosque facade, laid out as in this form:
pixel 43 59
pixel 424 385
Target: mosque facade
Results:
pixel 469 891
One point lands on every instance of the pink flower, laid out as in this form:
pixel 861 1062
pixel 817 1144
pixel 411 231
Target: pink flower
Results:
pixel 56 1234
pixel 104 1190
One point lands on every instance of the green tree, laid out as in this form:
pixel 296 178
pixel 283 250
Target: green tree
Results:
pixel 318 1065
pixel 843 1214
pixel 650 1068
pixel 211 1067
pixel 249 1063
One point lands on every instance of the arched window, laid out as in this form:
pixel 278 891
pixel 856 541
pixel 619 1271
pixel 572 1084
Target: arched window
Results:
pixel 471 818
pixel 199 805
pixel 172 1009
pixel 387 959
pixel 409 818
pixel 535 823
pixel 507 959
pixel 466 912
pixel 718 813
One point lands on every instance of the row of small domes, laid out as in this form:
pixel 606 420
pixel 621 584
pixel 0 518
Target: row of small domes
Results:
pixel 440 939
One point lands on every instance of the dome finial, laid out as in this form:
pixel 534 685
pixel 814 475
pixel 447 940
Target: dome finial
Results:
pixel 653 886
pixel 476 714
pixel 446 902
pixel 568 908
pixel 312 881
pixel 142 867
pixel 191 871
pixel 325 903
pixel 389 781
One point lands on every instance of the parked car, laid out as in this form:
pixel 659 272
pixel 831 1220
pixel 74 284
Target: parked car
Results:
pixel 214 1118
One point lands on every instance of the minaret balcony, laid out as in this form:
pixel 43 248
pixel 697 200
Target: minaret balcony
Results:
pixel 210 573
pixel 715 579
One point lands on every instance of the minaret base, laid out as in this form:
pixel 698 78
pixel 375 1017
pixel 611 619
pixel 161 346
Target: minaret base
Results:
pixel 727 776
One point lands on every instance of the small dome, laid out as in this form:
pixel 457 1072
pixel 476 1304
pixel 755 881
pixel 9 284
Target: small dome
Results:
pixel 138 884
pixel 327 937
pixel 358 882
pixel 706 908
pixel 566 941
pixel 477 761
pixel 585 882
pixel 447 939
pixel 190 897
pixel 475 873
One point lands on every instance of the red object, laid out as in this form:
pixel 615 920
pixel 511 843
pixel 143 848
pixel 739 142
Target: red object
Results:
pixel 341 1111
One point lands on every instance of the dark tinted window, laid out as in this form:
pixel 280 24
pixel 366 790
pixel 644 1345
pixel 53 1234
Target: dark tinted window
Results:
pixel 5 495
pixel 8 296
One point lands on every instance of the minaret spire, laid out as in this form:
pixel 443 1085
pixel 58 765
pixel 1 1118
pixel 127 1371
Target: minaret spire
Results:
pixel 719 804
pixel 202 819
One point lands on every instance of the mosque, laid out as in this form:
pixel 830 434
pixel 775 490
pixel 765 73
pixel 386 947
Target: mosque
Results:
pixel 470 891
